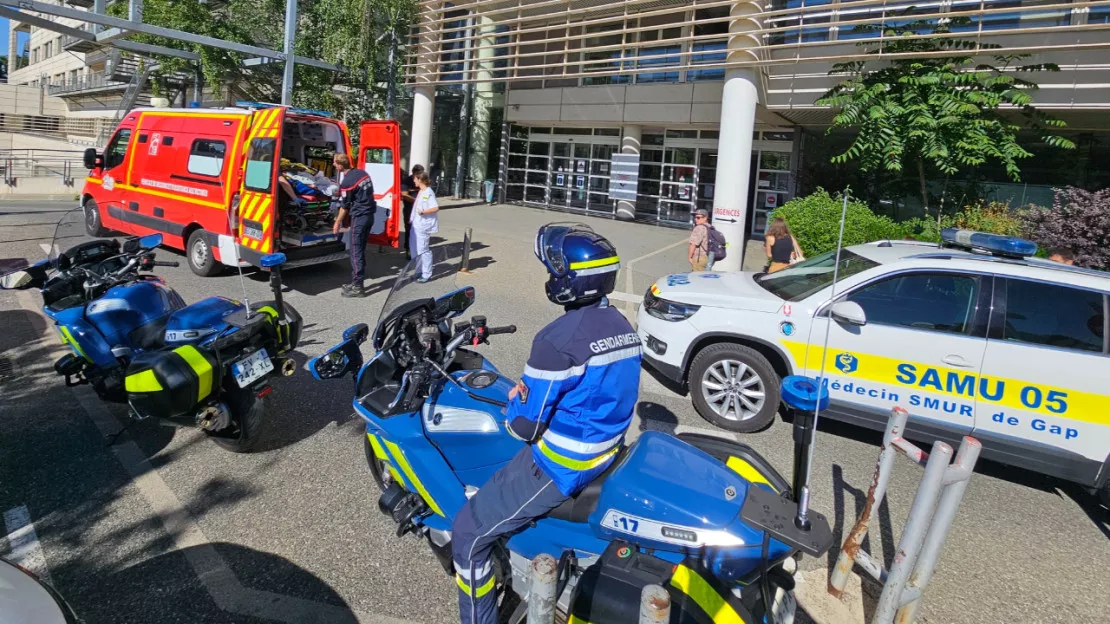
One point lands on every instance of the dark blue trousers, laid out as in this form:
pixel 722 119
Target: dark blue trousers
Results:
pixel 513 497
pixel 360 231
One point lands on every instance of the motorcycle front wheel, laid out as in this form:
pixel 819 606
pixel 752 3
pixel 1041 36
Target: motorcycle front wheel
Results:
pixel 247 411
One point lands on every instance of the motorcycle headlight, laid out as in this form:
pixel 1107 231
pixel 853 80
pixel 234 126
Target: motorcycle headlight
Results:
pixel 668 310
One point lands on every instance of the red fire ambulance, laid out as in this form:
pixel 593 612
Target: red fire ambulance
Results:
pixel 208 181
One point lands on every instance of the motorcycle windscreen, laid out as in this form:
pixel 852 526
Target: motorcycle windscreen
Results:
pixel 379 150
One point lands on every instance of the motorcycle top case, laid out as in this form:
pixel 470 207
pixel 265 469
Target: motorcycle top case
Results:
pixel 171 383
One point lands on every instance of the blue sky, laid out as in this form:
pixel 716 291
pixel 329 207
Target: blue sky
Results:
pixel 3 36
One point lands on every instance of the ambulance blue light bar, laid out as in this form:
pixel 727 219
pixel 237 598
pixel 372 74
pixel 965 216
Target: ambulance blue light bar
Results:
pixel 299 111
pixel 1008 246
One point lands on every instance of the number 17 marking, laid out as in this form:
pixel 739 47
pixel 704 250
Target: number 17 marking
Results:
pixel 628 524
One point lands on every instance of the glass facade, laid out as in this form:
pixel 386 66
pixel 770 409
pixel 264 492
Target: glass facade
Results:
pixel 568 169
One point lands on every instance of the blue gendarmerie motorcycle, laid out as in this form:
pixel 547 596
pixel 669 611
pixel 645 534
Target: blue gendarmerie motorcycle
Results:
pixel 134 339
pixel 667 512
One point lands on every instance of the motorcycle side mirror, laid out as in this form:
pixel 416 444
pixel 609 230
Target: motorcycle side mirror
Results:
pixel 335 363
pixel 32 276
pixel 457 302
pixel 150 241
pixel 64 262
pixel 131 245
pixel 357 333
pixel 92 160
pixel 272 260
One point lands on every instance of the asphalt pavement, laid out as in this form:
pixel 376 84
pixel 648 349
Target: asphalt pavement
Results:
pixel 164 526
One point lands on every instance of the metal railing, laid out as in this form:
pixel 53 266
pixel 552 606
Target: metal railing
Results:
pixel 66 128
pixel 94 80
pixel 40 163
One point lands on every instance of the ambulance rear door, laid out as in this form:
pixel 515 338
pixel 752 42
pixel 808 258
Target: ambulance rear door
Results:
pixel 379 149
pixel 257 210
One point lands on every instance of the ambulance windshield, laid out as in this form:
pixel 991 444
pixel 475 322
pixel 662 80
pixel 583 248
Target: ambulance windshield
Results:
pixel 801 280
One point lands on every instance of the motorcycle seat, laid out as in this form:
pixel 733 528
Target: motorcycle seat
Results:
pixel 150 336
pixel 578 508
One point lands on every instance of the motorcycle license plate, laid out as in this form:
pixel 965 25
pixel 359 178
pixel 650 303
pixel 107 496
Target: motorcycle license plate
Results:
pixel 252 368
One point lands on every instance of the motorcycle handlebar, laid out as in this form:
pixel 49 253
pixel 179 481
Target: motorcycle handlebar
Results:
pixel 166 264
pixel 508 329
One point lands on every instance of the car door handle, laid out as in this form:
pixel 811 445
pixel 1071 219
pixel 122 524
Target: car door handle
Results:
pixel 956 360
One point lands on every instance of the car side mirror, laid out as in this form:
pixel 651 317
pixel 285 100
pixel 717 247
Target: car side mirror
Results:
pixel 848 313
pixel 92 160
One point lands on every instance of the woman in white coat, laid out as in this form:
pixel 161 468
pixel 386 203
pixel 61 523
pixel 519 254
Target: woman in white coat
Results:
pixel 425 222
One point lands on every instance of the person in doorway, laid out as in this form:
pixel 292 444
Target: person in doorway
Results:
pixel 408 198
pixel 781 247
pixel 424 222
pixel 358 204
pixel 1062 255
pixel 698 252
pixel 572 407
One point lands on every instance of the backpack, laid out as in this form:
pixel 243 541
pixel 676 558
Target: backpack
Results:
pixel 715 243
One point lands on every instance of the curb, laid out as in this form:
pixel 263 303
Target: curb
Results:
pixel 47 197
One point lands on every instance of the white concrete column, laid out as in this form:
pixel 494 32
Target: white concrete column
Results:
pixel 630 144
pixel 484 101
pixel 424 91
pixel 12 45
pixel 734 149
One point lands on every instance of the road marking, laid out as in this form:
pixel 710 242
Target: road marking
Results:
pixel 620 296
pixel 628 285
pixel 45 248
pixel 26 551
pixel 210 568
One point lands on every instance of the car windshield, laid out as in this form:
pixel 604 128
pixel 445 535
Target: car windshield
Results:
pixel 442 263
pixel 801 280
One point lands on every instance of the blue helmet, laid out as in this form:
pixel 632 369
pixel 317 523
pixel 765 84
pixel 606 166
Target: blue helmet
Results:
pixel 582 264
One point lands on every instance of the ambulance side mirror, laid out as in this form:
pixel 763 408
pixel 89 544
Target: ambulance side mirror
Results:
pixel 848 313
pixel 92 160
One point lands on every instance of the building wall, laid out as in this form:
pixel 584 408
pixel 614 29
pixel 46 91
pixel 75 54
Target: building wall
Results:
pixel 46 54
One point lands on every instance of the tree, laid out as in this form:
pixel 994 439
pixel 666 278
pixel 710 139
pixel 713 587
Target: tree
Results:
pixel 941 111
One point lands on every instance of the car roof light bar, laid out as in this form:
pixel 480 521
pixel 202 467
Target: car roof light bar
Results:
pixel 995 244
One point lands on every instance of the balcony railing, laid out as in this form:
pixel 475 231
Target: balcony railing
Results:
pixel 95 80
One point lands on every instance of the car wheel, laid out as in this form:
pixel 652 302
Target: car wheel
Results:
pixel 199 253
pixel 379 469
pixel 734 387
pixel 93 225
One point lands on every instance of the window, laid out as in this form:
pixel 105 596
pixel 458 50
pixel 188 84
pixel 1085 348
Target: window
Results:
pixel 116 151
pixel 707 50
pixel 1054 316
pixel 207 157
pixel 378 156
pixel 943 302
pixel 801 280
pixel 260 165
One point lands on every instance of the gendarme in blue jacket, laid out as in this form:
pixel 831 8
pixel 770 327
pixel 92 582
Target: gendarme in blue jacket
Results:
pixel 581 384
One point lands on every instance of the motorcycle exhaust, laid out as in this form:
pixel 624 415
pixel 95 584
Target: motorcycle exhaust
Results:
pixel 287 366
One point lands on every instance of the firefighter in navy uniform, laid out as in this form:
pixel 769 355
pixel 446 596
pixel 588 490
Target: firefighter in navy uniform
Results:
pixel 573 406
pixel 357 190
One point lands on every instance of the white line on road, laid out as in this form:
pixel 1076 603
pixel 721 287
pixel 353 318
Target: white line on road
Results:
pixel 24 542
pixel 628 284
pixel 45 248
pixel 620 296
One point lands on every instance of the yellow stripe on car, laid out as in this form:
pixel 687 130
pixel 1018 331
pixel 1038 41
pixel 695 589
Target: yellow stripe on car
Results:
pixel 407 469
pixel 379 452
pixel 749 472
pixel 702 593
pixel 589 264
pixel 482 591
pixel 142 382
pixel 576 464
pixel 200 366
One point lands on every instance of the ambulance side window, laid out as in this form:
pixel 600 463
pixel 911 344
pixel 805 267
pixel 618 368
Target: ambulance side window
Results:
pixel 207 157
pixel 116 151
pixel 260 165
pixel 942 302
pixel 1054 315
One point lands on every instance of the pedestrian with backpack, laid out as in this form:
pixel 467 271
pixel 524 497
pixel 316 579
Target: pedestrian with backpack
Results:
pixel 707 244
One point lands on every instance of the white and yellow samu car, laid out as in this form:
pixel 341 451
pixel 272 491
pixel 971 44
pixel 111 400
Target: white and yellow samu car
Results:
pixel 971 337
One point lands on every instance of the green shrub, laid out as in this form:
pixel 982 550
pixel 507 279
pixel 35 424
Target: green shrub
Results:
pixel 992 217
pixel 815 222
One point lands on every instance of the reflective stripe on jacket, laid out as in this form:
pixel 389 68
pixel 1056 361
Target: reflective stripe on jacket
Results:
pixel 582 380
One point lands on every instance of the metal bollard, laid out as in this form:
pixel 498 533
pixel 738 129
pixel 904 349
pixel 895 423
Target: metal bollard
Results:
pixel 464 265
pixel 934 507
pixel 655 605
pixel 541 594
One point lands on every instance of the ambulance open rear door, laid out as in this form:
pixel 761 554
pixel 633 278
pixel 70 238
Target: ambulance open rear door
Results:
pixel 379 150
pixel 257 210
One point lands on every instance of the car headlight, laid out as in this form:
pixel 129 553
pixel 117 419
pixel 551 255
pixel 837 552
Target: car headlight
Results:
pixel 668 310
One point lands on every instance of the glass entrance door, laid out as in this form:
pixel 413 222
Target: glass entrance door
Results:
pixel 772 187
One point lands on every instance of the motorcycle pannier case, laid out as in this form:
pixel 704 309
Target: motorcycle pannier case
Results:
pixel 170 384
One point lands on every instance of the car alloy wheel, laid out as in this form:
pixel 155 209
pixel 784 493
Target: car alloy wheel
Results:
pixel 733 390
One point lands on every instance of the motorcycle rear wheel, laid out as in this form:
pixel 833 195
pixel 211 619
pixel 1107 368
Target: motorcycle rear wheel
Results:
pixel 247 412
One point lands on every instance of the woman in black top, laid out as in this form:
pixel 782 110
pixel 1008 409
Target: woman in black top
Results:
pixel 780 246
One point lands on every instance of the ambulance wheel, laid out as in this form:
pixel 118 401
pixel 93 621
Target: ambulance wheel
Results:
pixel 378 468
pixel 247 411
pixel 93 225
pixel 734 387
pixel 199 253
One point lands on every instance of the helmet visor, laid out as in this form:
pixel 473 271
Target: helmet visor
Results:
pixel 549 246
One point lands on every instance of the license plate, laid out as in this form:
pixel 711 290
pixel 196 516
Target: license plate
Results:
pixel 252 368
pixel 252 232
